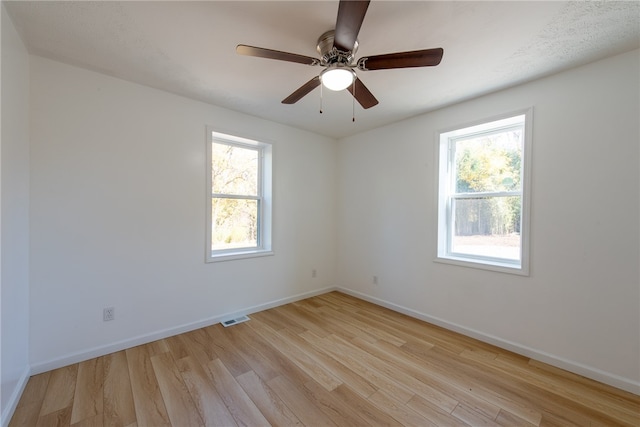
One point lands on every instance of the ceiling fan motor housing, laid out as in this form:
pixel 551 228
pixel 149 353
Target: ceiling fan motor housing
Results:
pixel 331 55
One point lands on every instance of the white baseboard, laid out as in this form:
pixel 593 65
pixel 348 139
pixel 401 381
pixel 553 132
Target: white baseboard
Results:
pixel 559 362
pixel 15 398
pixel 81 356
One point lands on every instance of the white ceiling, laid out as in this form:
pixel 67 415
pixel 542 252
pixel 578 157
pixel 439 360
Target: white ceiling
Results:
pixel 188 48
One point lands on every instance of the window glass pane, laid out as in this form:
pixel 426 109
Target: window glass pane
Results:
pixel 487 226
pixel 234 170
pixel 489 162
pixel 234 223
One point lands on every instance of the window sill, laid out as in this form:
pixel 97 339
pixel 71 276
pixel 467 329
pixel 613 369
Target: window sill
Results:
pixel 230 256
pixel 502 267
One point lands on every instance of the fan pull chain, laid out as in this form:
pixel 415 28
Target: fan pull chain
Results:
pixel 320 98
pixel 353 103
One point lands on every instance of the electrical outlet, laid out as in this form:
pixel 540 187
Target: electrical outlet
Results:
pixel 314 273
pixel 108 314
pixel 375 280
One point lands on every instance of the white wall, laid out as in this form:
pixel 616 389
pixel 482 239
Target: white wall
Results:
pixel 14 218
pixel 580 306
pixel 118 215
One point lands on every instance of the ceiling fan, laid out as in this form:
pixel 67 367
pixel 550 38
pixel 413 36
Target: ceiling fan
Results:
pixel 337 48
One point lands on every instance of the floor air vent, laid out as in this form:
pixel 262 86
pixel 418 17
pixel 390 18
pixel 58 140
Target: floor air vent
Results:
pixel 235 321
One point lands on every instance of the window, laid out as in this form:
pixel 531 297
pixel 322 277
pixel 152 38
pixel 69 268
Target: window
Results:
pixel 483 194
pixel 238 197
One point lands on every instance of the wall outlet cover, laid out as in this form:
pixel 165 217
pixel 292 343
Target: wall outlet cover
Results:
pixel 108 314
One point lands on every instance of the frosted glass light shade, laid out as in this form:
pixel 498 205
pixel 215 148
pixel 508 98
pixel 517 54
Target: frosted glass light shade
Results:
pixel 337 78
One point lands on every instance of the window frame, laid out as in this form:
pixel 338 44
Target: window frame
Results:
pixel 264 197
pixel 446 195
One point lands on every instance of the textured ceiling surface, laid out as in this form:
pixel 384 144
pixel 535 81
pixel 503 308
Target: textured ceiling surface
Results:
pixel 188 48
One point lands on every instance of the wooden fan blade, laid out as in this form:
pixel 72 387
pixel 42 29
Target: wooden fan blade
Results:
pixel 261 52
pixel 299 93
pixel 415 58
pixel 350 16
pixel 362 94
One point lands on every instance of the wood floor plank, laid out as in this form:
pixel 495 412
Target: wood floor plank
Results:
pixel 473 418
pixel 339 411
pixel 271 406
pixel 429 334
pixel 264 358
pixel 156 347
pixel 350 378
pixel 305 320
pixel 368 411
pixel 342 329
pixel 587 393
pixel 404 330
pixel 178 347
pixel 88 401
pixel 515 390
pixel 398 410
pixel 277 321
pixel 180 406
pixel 438 379
pixel 365 326
pixel 303 360
pixel 434 413
pixel 35 390
pixel 199 346
pixel 118 408
pixel 277 359
pixel 307 359
pixel 484 384
pixel 338 301
pixel 59 418
pixel 258 363
pixel 546 369
pixel 328 360
pixel 507 419
pixel 26 415
pixel 240 405
pixel 393 328
pixel 352 359
pixel 227 351
pixel 479 354
pixel 148 401
pixel 95 421
pixel 28 408
pixel 60 390
pixel 311 302
pixel 389 364
pixel 208 402
pixel 468 391
pixel 302 406
pixel 554 420
pixel 343 374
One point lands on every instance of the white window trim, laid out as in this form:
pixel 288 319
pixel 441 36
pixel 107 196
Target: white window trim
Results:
pixel 443 253
pixel 265 197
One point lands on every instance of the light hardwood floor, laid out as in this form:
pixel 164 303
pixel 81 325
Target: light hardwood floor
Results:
pixel 324 361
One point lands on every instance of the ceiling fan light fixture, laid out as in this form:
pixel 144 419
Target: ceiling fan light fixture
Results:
pixel 337 78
